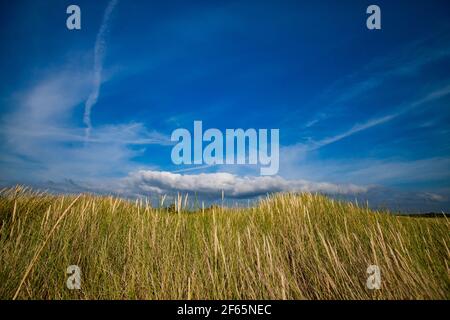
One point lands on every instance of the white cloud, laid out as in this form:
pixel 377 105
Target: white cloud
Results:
pixel 299 149
pixel 408 61
pixel 355 129
pixel 368 171
pixel 40 140
pixel 431 96
pixel 430 196
pixel 212 184
pixel 99 52
pixel 400 171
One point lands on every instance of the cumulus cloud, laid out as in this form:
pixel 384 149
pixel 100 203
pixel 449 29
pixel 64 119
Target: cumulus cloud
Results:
pixel 233 186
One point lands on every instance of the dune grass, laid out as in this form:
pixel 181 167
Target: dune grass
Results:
pixel 288 247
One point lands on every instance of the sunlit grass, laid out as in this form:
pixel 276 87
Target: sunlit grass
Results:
pixel 288 247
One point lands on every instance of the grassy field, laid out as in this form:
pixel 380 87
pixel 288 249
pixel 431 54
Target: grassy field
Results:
pixel 287 247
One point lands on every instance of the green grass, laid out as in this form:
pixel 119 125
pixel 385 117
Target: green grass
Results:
pixel 287 247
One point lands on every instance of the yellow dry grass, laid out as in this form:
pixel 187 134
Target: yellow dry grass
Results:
pixel 288 247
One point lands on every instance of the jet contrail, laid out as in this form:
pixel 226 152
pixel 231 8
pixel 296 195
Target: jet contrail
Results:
pixel 99 53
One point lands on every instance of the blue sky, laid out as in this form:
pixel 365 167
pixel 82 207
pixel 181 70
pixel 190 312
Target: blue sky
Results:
pixel 362 113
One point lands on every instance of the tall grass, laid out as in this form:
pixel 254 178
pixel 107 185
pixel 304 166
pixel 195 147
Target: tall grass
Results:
pixel 288 247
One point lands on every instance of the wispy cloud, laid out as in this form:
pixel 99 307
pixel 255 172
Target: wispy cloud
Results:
pixel 434 95
pixel 391 171
pixel 206 166
pixel 359 127
pixel 40 140
pixel 355 129
pixel 99 53
pixel 405 63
